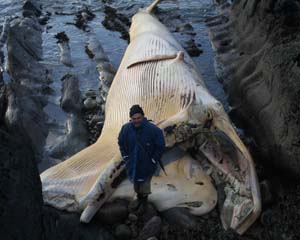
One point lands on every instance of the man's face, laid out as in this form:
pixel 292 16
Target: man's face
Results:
pixel 137 119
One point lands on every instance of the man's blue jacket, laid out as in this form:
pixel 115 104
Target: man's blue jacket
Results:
pixel 141 149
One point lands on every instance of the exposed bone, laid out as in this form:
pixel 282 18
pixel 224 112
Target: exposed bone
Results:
pixel 186 186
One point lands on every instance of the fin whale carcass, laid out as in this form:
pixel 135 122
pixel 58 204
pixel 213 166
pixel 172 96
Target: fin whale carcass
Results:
pixel 158 74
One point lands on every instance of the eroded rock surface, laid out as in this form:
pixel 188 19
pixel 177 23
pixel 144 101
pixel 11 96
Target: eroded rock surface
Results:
pixel 20 188
pixel 29 81
pixel 258 45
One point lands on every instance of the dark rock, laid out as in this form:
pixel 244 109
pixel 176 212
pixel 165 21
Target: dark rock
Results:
pixel 47 90
pixel 192 49
pixel 220 1
pixel 97 120
pixel 25 113
pixel 44 20
pixel 61 37
pixel 180 218
pixel 133 206
pixel 25 98
pixel 186 28
pixel 144 211
pixel 91 93
pixel 89 52
pixel 20 188
pixel 75 140
pixel 104 67
pixel 267 193
pixel 148 213
pixel 112 213
pixel 134 230
pixel 71 97
pixel 152 238
pixel 59 225
pixel 151 229
pixel 265 84
pixel 3 100
pixel 90 103
pixel 27 13
pixel 132 218
pixel 116 22
pixel 87 14
pixel 289 11
pixel 122 232
pixel 24 46
pixel 82 18
pixel 31 9
pixel 65 51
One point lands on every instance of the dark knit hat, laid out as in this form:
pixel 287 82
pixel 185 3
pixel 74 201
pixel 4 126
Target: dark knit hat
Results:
pixel 136 109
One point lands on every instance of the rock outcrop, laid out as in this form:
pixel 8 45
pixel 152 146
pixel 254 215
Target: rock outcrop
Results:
pixel 26 99
pixel 23 132
pixel 76 137
pixel 258 48
pixel 20 188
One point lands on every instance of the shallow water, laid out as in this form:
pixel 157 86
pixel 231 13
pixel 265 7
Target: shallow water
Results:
pixel 63 19
pixel 192 11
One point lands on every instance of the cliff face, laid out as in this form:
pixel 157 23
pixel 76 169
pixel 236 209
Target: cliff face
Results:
pixel 258 47
pixel 20 189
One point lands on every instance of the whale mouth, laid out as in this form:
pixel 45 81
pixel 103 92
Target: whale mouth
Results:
pixel 230 157
pixel 231 165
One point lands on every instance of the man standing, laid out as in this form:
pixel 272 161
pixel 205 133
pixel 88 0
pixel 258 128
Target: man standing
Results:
pixel 141 145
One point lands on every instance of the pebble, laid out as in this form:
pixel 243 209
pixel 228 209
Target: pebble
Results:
pixel 122 232
pixel 151 229
pixel 134 230
pixel 90 103
pixel 91 93
pixel 152 238
pixel 96 118
pixel 132 218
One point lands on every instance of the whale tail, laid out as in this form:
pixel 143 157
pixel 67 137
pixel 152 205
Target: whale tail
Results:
pixel 152 6
pixel 155 2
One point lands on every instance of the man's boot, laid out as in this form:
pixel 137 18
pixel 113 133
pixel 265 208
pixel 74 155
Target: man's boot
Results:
pixel 136 204
pixel 143 200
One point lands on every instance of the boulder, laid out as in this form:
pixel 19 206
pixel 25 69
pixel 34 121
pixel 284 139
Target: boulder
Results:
pixel 180 217
pixel 76 139
pixel 122 232
pixel 60 225
pixel 113 212
pixel 20 188
pixel 151 229
pixel 71 98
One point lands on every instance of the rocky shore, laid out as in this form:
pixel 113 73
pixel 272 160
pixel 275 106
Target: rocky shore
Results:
pixel 47 113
